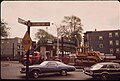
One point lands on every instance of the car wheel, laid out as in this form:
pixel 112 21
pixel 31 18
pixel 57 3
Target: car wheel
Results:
pixel 104 77
pixel 35 74
pixel 63 72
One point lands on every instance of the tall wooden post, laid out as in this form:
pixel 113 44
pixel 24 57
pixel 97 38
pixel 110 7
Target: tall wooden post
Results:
pixel 28 52
pixel 62 48
pixel 13 51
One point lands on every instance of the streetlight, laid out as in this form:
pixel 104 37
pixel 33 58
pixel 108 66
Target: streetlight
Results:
pixel 57 40
pixel 77 41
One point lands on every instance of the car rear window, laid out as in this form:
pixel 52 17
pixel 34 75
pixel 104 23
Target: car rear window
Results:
pixel 60 63
pixel 117 65
pixel 44 63
pixel 104 66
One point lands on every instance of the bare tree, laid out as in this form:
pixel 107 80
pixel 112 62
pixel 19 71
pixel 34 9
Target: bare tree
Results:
pixel 43 36
pixel 71 28
pixel 4 28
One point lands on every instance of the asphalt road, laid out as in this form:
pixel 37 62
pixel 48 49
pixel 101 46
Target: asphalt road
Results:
pixel 11 70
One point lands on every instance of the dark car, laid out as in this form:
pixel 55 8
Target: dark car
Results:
pixel 48 67
pixel 104 70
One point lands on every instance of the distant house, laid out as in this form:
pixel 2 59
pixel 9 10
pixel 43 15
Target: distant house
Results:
pixel 49 49
pixel 11 48
pixel 107 41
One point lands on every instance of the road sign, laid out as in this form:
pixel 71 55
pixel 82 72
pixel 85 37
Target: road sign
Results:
pixel 26 41
pixel 40 23
pixel 33 23
pixel 22 21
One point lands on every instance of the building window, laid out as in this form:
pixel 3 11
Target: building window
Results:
pixel 116 34
pixel 22 53
pixel 22 46
pixel 18 53
pixel 100 45
pixel 111 50
pixel 2 42
pixel 117 50
pixel 117 42
pixel 110 34
pixel 110 42
pixel 19 40
pixel 100 37
pixel 18 46
pixel 8 42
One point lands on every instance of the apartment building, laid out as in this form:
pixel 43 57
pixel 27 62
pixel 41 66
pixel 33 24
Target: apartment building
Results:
pixel 106 41
pixel 12 48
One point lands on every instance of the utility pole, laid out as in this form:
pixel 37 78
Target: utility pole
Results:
pixel 57 40
pixel 28 52
pixel 13 51
pixel 62 48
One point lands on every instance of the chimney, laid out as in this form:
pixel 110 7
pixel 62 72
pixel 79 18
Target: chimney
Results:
pixel 95 29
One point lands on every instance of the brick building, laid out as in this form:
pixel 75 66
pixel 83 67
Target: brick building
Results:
pixel 107 41
pixel 12 48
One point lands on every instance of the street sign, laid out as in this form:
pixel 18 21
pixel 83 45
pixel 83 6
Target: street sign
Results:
pixel 22 21
pixel 33 23
pixel 26 41
pixel 40 23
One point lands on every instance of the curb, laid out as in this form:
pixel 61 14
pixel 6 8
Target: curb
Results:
pixel 79 70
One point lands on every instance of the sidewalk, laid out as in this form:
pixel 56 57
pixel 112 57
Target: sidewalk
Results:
pixel 79 70
pixel 79 67
pixel 7 63
pixel 15 62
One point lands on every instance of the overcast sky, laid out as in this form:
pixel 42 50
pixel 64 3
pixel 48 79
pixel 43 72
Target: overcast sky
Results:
pixel 100 15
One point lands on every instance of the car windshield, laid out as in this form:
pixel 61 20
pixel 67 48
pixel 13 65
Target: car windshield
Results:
pixel 97 66
pixel 44 63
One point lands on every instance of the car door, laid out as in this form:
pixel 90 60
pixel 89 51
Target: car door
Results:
pixel 112 69
pixel 117 69
pixel 52 67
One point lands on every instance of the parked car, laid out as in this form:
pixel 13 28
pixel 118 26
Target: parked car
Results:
pixel 48 67
pixel 34 58
pixel 104 70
